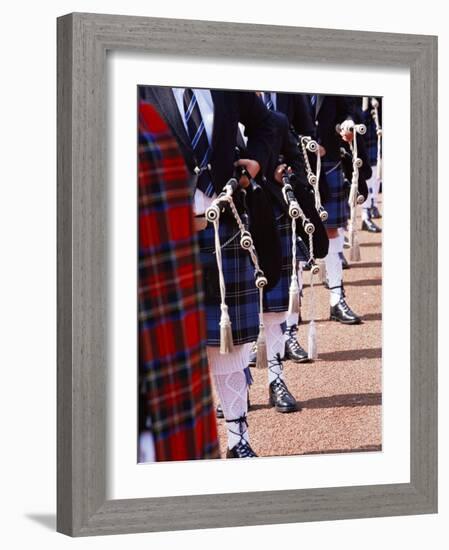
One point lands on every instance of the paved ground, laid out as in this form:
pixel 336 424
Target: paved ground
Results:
pixel 340 393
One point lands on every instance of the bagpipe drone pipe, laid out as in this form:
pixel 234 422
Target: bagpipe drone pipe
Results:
pixel 365 171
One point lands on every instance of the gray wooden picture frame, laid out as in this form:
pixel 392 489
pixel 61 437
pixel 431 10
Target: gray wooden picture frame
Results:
pixel 83 40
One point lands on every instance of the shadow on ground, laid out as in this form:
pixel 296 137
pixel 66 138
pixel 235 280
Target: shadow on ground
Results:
pixel 364 282
pixel 344 400
pixel 351 354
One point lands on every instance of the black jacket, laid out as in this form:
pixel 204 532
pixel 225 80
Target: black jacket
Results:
pixel 297 110
pixel 285 144
pixel 328 112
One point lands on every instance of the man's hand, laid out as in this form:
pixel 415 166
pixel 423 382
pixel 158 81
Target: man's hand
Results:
pixel 346 135
pixel 252 167
pixel 346 132
pixel 279 171
pixel 321 150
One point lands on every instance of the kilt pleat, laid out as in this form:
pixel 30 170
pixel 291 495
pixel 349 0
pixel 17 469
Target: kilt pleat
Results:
pixel 242 296
pixel 337 204
pixel 276 299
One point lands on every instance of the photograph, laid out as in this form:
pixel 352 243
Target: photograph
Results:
pixel 259 273
pixel 224 286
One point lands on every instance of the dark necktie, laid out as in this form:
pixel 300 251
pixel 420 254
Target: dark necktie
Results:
pixel 200 143
pixel 268 101
pixel 313 100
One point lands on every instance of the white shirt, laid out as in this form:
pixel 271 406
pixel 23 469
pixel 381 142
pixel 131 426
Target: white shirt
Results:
pixel 206 106
pixel 273 98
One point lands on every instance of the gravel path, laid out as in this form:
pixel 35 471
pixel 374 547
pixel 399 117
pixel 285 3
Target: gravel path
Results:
pixel 340 393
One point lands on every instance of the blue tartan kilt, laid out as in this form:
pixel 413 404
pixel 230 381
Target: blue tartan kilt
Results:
pixel 242 296
pixel 337 205
pixel 276 299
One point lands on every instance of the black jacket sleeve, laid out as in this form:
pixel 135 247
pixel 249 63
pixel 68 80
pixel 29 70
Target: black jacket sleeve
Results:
pixel 263 228
pixel 258 127
pixel 302 121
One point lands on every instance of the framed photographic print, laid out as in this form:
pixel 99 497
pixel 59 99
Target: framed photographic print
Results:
pixel 215 182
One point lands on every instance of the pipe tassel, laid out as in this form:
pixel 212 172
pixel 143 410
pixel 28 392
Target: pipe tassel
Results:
pixel 354 253
pixel 294 303
pixel 312 345
pixel 261 359
pixel 226 342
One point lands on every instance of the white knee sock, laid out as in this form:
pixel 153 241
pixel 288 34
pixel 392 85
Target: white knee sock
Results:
pixel 334 269
pixel 341 236
pixel 376 186
pixel 275 344
pixel 230 383
pixel 370 199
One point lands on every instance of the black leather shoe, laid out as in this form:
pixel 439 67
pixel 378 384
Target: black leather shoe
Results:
pixel 342 313
pixel 374 213
pixel 280 398
pixel 369 225
pixel 344 261
pixel 241 450
pixel 253 356
pixel 219 411
pixel 293 351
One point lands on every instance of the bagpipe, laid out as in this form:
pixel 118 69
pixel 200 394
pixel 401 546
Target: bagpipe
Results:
pixel 307 145
pixel 365 171
pixel 355 198
pixel 225 202
pixel 295 212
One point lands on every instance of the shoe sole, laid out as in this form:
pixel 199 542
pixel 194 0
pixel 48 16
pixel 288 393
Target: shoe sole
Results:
pixel 333 318
pixel 371 230
pixel 284 410
pixel 305 360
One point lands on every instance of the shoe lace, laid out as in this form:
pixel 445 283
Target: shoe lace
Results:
pixel 342 295
pixel 280 388
pixel 291 331
pixel 242 447
pixel 276 363
pixel 293 343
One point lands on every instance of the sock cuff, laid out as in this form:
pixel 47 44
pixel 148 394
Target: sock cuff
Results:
pixel 335 245
pixel 226 364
